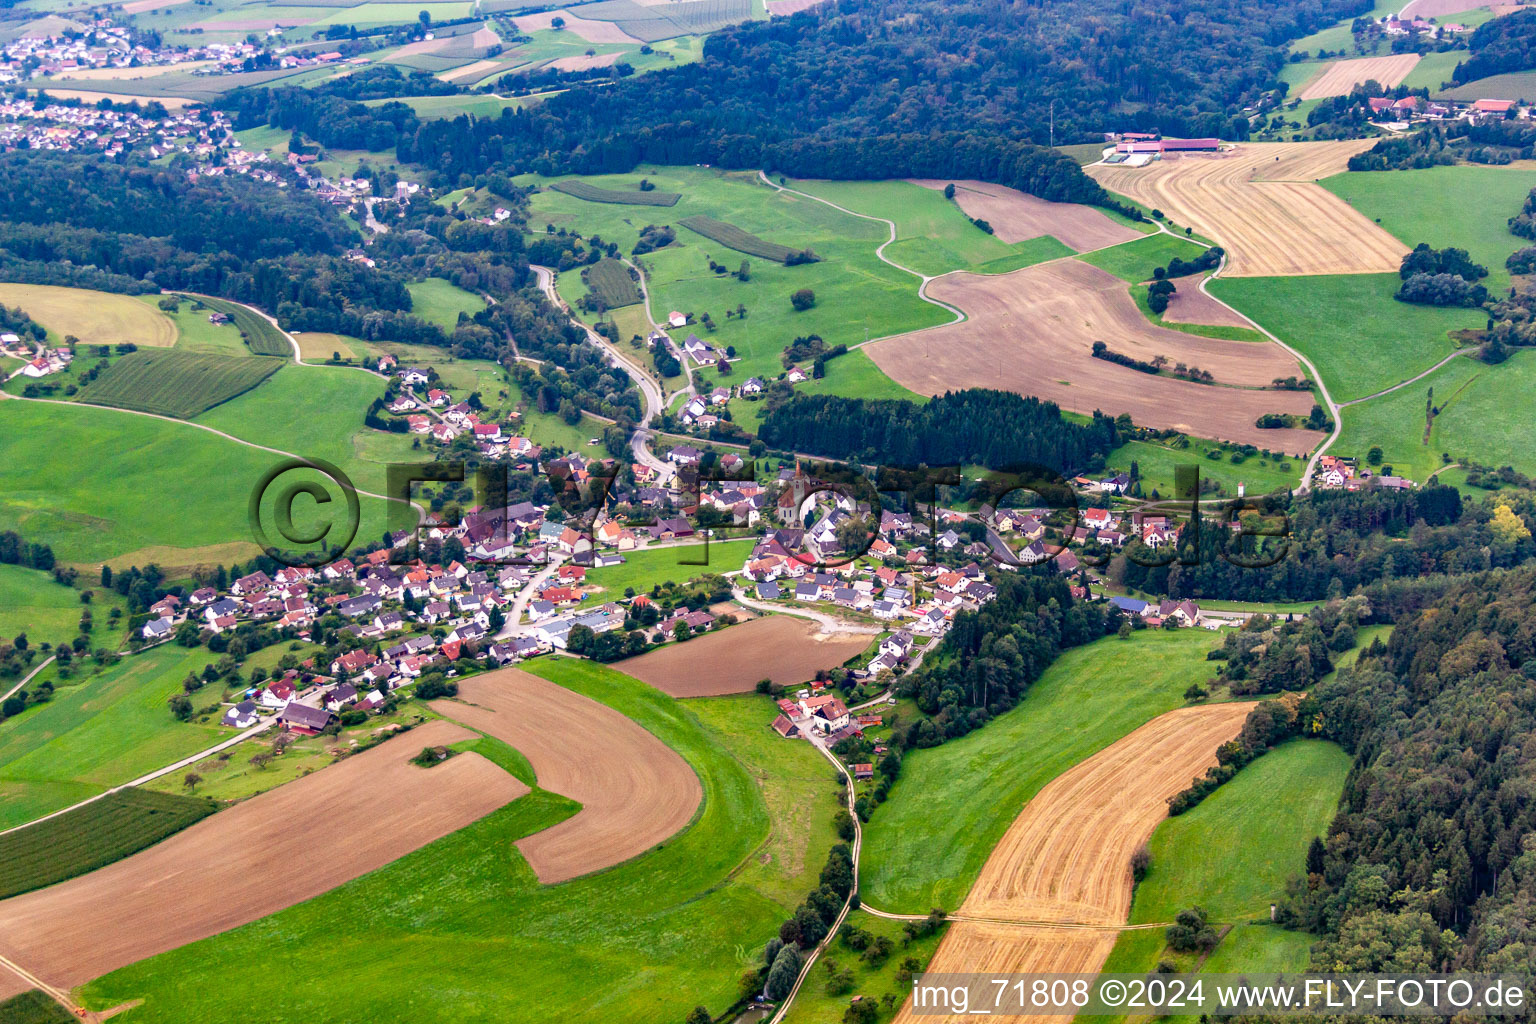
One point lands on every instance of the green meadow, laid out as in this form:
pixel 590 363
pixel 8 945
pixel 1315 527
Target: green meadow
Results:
pixel 1464 206
pixel 1135 261
pixel 925 845
pixel 1157 462
pixel 101 729
pixel 933 235
pixel 645 569
pixel 1360 338
pixel 462 931
pixel 857 296
pixel 32 602
pixel 440 302
pixel 100 484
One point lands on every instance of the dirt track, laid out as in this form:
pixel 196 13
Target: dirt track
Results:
pixel 1016 215
pixel 1341 77
pixel 1066 858
pixel 269 852
pixel 1261 202
pixel 1032 331
pixel 787 650
pixel 635 791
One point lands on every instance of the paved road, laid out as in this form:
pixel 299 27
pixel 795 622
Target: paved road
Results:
pixel 28 678
pixel 650 390
pixel 1387 391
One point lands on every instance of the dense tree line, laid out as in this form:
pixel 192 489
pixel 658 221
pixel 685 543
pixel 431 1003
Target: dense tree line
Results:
pixel 1428 864
pixel 1338 541
pixel 1441 277
pixel 1498 46
pixel 991 656
pixel 982 427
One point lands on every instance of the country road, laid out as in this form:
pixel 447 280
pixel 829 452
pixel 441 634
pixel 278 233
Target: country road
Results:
pixel 27 679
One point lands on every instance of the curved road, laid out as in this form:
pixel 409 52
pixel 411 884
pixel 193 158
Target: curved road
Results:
pixel 649 389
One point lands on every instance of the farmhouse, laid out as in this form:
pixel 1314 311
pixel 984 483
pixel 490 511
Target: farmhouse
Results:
pixel 304 719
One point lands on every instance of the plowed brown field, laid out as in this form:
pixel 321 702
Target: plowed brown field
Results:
pixel 1190 305
pixel 591 31
pixel 1260 201
pixel 782 648
pixel 1066 858
pixel 270 852
pixel 1341 77
pixel 1032 331
pixel 1016 215
pixel 635 791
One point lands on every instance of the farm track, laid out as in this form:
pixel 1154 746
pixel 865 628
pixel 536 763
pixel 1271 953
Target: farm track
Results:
pixel 635 791
pixel 1261 202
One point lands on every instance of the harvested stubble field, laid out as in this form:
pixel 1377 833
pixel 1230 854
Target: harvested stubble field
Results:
pixel 170 382
pixel 780 647
pixel 1058 885
pixel 594 194
pixel 89 837
pixel 635 791
pixel 1016 216
pixel 1262 203
pixel 89 96
pixel 1032 331
pixel 475 70
pixel 609 280
pixel 733 237
pixel 591 31
pixel 1341 77
pixel 585 61
pixel 339 823
pixel 96 318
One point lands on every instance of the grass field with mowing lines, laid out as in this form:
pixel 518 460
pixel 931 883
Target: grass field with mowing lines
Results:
pixel 261 334
pixel 641 942
pixel 1464 206
pixel 100 730
pixel 632 197
pixel 440 302
pixel 1360 338
pixel 733 237
pixel 933 235
pixel 609 280
pixel 856 294
pixel 1232 853
pixel 98 483
pixel 96 318
pixel 176 383
pixel 925 846
pixel 116 826
pixel 1135 261
pixel 1517 85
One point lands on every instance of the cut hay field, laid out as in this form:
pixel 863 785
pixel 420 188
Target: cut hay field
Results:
pixel 116 826
pixel 785 649
pixel 926 845
pixel 175 382
pixel 634 791
pixel 100 730
pixel 1465 206
pixel 934 236
pixel 1033 331
pixel 1340 77
pixel 1016 215
pixel 103 484
pixel 857 296
pixel 1067 857
pixel 1261 202
pixel 96 318
pixel 371 808
pixel 609 280
pixel 440 302
pixel 627 197
pixel 1360 339
pixel 733 237
pixel 643 942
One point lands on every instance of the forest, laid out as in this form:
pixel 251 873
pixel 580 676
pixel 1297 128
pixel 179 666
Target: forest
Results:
pixel 1499 46
pixel 996 429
